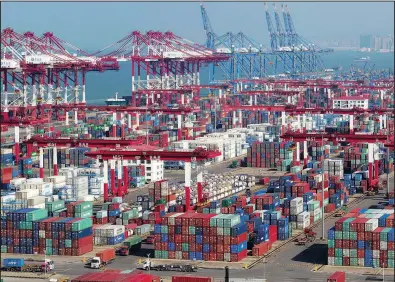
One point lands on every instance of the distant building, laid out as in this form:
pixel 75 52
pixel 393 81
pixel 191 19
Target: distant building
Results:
pixel 386 43
pixel 351 102
pixel 377 43
pixel 365 41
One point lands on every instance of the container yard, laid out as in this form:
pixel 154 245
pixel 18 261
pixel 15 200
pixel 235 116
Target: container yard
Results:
pixel 249 177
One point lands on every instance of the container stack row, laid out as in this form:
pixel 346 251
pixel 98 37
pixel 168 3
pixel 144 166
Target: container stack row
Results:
pixel 364 237
pixel 30 231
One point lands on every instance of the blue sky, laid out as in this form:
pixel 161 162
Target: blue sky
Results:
pixel 95 25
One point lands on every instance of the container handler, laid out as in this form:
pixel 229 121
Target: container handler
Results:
pixel 102 258
pixel 148 265
pixel 22 265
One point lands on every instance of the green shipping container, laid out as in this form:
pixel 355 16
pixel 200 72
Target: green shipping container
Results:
pixel 3 248
pixel 133 240
pixel 391 263
pixel 84 214
pixel 331 243
pixel 339 261
pixel 85 206
pixel 191 230
pixel 81 224
pixel 36 215
pixel 353 262
pixel 164 229
pixel 67 243
pixel 160 201
pixel 54 206
pixel 185 247
pixel 226 203
pixel 339 253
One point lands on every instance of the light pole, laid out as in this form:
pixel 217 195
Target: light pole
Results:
pixel 149 264
pixel 383 273
pixel 45 261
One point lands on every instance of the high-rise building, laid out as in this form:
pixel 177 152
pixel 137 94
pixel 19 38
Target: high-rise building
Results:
pixel 377 43
pixel 365 41
pixel 386 43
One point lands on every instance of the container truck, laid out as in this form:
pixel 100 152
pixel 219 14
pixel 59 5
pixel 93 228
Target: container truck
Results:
pixel 22 265
pixel 338 276
pixel 129 245
pixel 148 265
pixel 102 258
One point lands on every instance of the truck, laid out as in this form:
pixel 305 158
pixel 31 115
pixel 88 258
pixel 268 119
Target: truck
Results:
pixel 22 265
pixel 148 265
pixel 129 245
pixel 102 258
pixel 338 276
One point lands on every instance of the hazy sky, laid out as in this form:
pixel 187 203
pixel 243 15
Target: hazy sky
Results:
pixel 95 25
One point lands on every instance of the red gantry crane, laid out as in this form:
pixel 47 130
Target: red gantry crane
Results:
pixel 199 154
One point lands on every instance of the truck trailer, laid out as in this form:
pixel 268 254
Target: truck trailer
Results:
pixel 102 258
pixel 22 265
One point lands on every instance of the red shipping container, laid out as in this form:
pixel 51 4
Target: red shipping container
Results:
pixel 338 276
pixel 6 174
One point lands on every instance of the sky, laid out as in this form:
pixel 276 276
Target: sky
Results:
pixel 91 26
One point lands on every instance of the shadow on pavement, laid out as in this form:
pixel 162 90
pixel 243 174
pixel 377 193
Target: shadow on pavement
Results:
pixel 143 252
pixel 316 253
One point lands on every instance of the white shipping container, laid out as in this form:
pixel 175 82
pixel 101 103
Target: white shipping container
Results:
pixel 56 179
pixel 383 245
pixel 25 194
pixel 7 198
pixel 296 202
pixel 372 224
pixel 36 200
pixel 303 216
pixel 296 210
pixel 331 260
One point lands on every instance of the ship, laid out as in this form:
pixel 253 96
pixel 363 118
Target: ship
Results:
pixel 362 59
pixel 116 101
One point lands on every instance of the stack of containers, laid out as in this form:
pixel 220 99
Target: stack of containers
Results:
pixel 145 202
pixel 136 175
pixel 334 167
pixel 365 237
pixel 134 212
pixel 159 194
pixel 54 207
pixel 101 217
pixel 109 234
pixel 317 151
pixel 270 155
pixel 77 157
pixel 201 237
pixel 113 211
pixel 29 231
pixel 355 156
pixel 26 167
pixel 80 209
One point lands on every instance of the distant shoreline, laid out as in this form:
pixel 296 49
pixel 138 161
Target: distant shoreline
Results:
pixel 355 49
